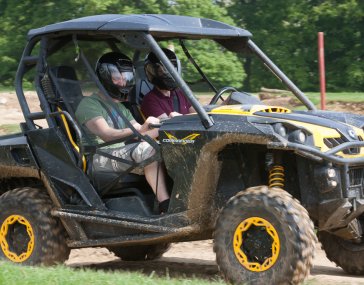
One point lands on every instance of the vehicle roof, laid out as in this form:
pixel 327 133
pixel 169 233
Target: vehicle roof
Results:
pixel 155 24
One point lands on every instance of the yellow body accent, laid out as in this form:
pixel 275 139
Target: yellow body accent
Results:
pixel 65 123
pixel 4 244
pixel 239 109
pixel 319 132
pixel 188 139
pixel 238 242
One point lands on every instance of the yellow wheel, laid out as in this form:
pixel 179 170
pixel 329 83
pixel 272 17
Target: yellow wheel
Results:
pixel 28 232
pixel 256 244
pixel 264 236
pixel 17 238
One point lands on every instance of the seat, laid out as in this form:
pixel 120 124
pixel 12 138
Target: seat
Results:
pixel 66 94
pixel 67 84
pixel 69 93
pixel 142 87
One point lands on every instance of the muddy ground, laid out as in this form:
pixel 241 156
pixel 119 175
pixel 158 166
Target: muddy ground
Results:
pixel 196 259
pixel 192 259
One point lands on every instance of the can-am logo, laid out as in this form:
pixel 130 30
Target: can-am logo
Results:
pixel 172 139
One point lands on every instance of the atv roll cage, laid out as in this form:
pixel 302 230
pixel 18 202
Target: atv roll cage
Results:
pixel 147 34
pixel 146 37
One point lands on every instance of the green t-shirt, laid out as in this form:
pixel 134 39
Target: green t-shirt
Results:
pixel 90 107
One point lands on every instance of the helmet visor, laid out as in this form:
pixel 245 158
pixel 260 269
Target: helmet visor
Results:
pixel 120 78
pixel 161 70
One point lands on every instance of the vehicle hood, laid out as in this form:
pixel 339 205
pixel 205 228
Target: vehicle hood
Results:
pixel 327 128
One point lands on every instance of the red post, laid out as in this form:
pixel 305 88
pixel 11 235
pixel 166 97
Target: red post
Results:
pixel 321 57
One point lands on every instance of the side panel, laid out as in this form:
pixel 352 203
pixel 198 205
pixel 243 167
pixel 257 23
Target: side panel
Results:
pixel 242 166
pixel 191 155
pixel 57 161
pixel 16 158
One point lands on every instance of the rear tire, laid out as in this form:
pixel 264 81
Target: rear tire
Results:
pixel 264 236
pixel 140 253
pixel 29 234
pixel 348 255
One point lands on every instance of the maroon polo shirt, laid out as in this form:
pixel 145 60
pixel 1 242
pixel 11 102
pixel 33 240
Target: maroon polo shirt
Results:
pixel 155 103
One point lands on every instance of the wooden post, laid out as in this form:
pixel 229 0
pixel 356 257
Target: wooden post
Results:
pixel 321 57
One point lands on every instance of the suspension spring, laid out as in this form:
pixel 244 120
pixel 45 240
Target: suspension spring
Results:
pixel 276 176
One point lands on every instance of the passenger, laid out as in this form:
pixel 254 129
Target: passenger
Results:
pixel 116 73
pixel 165 100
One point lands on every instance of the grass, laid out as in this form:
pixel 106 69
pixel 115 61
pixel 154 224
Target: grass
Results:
pixel 315 96
pixel 11 274
pixel 12 88
pixel 9 128
pixel 5 88
pixel 340 96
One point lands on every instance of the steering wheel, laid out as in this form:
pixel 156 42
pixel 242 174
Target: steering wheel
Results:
pixel 220 92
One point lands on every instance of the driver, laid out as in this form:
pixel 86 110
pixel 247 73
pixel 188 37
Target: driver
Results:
pixel 103 124
pixel 165 100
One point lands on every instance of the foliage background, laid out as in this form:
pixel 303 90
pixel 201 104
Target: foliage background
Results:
pixel 285 29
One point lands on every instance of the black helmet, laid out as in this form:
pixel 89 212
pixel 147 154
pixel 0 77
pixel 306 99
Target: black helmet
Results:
pixel 156 72
pixel 116 73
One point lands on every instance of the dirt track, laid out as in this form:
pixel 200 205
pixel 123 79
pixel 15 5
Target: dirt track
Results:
pixel 196 259
pixel 184 259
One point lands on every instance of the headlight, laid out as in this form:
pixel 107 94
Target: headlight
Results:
pixel 331 173
pixel 280 129
pixel 297 136
pixel 292 134
pixel 301 137
pixel 352 134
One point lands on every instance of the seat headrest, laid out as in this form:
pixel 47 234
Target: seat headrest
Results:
pixel 68 83
pixel 64 71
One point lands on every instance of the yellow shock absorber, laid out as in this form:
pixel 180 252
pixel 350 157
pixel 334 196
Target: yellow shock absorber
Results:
pixel 276 176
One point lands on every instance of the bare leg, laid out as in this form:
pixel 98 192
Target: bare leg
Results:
pixel 150 172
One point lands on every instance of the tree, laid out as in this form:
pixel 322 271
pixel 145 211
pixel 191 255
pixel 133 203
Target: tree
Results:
pixel 19 17
pixel 222 67
pixel 287 32
pixel 272 26
pixel 343 23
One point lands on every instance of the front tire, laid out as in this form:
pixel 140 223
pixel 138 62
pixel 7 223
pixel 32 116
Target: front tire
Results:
pixel 140 253
pixel 264 236
pixel 28 233
pixel 346 254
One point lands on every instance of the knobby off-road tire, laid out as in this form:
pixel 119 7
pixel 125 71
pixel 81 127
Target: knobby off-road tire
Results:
pixel 264 236
pixel 348 255
pixel 10 184
pixel 28 233
pixel 140 253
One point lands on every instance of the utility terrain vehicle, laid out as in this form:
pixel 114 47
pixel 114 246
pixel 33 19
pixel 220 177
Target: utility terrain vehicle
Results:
pixel 257 179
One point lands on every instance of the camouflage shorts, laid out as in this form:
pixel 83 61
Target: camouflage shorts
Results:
pixel 136 152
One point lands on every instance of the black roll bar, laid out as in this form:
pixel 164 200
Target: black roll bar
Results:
pixel 330 155
pixel 295 90
pixel 192 60
pixel 18 82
